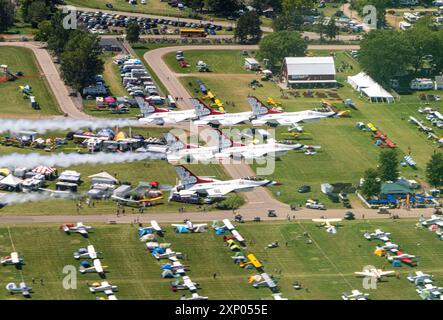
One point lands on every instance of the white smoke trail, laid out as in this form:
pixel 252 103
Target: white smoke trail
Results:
pixel 42 126
pixel 16 160
pixel 17 198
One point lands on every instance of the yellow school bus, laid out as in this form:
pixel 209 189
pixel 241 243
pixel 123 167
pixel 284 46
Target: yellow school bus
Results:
pixel 193 33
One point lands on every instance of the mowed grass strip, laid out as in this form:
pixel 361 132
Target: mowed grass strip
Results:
pixel 325 267
pixel 12 102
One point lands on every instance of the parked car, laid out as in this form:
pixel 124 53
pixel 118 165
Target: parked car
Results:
pixel 304 189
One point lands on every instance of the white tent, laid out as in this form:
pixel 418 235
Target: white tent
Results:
pixel 360 81
pixel 11 182
pixel 376 93
pixel 70 176
pixel 103 177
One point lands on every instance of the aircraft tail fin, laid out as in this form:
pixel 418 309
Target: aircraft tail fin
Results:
pixel 173 141
pixel 187 177
pixel 258 107
pixel 202 109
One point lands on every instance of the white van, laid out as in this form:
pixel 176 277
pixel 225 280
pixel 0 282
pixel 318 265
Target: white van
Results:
pixel 171 102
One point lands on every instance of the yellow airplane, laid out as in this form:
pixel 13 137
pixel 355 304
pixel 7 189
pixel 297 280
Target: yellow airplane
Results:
pixel 252 260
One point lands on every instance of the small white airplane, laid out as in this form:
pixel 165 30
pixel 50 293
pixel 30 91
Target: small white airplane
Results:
pixel 327 223
pixel 195 296
pixel 374 273
pixel 86 253
pixel 178 268
pixel 228 225
pixel 96 267
pixel 13 259
pixel 190 184
pixel 435 292
pixel 274 117
pixel 390 246
pixel 187 284
pixel 179 151
pixel 233 149
pixel 78 228
pixel 153 227
pixel 215 118
pixel 21 288
pixel 103 286
pixel 163 116
pixel 379 235
pixel 420 278
pixel 355 295
pixel 262 280
pixel 191 227
pixel 169 254
pixel 400 256
pixel 433 220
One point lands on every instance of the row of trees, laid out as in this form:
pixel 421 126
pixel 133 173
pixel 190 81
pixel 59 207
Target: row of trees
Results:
pixel 388 170
pixel 36 11
pixel 385 54
pixel 79 51
pixel 7 14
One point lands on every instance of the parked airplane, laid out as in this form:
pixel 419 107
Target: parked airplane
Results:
pixel 178 268
pixel 195 296
pixel 433 291
pixel 12 259
pixel 228 225
pixel 231 149
pixel 21 288
pixel 379 235
pixel 78 228
pixel 390 246
pixel 179 151
pixel 274 117
pixel 103 286
pixel 262 280
pixel 327 224
pixel 216 118
pixel 374 273
pixel 194 228
pixel 433 220
pixel 169 254
pixel 355 295
pixel 191 184
pixel 86 253
pixel 420 278
pixel 400 256
pixel 187 284
pixel 162 116
pixel 96 267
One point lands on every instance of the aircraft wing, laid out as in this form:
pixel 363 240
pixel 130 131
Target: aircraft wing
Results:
pixel 203 156
pixel 252 154
pixel 232 121
pixel 178 225
pixel 82 231
pixel 386 273
pixel 184 193
pixel 200 225
pixel 219 191
pixel 364 273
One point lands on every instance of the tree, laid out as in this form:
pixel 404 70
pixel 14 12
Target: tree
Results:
pixel 331 29
pixel 300 6
pixel 248 28
pixel 434 170
pixel 281 44
pixel 320 26
pixel 388 165
pixel 376 56
pixel 38 12
pixel 7 14
pixel 44 31
pixel 223 7
pixel 133 33
pixel 58 36
pixel 80 60
pixel 371 185
pixel 380 6
pixel 290 21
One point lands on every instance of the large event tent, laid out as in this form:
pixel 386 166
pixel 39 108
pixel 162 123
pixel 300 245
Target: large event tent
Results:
pixel 367 86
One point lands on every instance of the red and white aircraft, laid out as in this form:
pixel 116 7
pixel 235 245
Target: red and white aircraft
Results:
pixel 190 184
pixel 179 150
pixel 162 116
pixel 274 117
pixel 216 118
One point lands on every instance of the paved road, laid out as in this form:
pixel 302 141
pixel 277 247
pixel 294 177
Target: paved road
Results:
pixel 49 70
pixel 247 213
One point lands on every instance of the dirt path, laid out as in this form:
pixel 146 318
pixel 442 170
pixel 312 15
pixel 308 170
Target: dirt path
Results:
pixel 56 84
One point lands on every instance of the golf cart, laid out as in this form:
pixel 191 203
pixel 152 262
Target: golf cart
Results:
pixel 257 219
pixel 272 214
pixel 437 211
pixel 239 218
pixel 383 210
pixel 349 216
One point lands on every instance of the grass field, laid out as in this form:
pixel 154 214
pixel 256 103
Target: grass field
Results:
pixel 219 61
pixel 325 268
pixel 12 102
pixel 346 151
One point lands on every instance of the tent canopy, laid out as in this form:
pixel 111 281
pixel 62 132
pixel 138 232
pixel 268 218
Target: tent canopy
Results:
pixel 11 181
pixel 44 170
pixel 365 84
pixel 360 81
pixel 103 176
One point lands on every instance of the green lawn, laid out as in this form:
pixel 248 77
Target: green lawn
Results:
pixel 219 61
pixel 346 151
pixel 324 267
pixel 12 102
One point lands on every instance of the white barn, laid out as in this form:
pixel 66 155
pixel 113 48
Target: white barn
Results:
pixel 309 72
